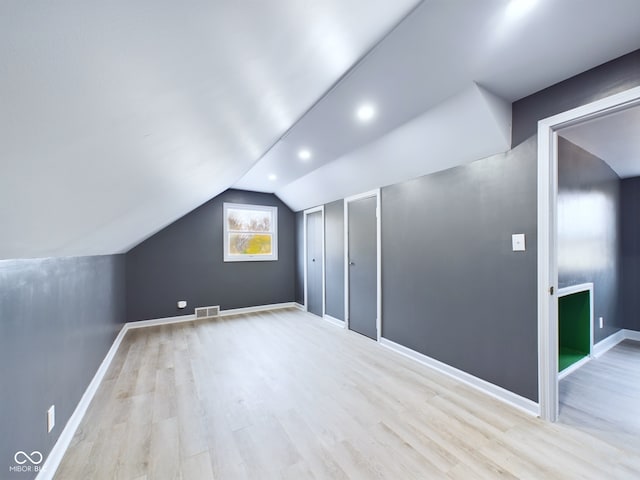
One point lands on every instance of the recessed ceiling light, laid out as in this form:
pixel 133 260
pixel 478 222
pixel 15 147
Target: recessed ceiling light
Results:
pixel 365 112
pixel 273 177
pixel 304 154
pixel 517 8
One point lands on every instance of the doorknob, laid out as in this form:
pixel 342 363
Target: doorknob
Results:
pixel 351 263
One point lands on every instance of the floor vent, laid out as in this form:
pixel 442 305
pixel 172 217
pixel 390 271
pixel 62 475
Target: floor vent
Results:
pixel 207 312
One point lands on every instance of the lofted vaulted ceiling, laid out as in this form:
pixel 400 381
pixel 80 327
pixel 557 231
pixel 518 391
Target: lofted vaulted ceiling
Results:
pixel 116 118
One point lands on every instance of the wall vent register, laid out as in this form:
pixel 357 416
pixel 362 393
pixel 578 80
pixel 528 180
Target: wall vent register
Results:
pixel 207 312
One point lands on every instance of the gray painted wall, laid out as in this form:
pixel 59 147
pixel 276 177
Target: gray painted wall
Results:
pixel 299 280
pixel 588 231
pixel 58 319
pixel 334 267
pixel 452 287
pixel 600 82
pixel 184 261
pixel 630 252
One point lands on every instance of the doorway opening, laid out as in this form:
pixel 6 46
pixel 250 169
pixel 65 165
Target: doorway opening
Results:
pixel 550 220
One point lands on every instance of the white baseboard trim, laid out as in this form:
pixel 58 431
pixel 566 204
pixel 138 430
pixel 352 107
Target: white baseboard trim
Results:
pixel 608 343
pixel 192 317
pixel 299 306
pixel 159 321
pixel 259 308
pixel 572 368
pixel 333 321
pixel 603 346
pixel 54 458
pixel 632 335
pixel 513 399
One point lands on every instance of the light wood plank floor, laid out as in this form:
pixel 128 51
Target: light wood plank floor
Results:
pixel 287 395
pixel 603 397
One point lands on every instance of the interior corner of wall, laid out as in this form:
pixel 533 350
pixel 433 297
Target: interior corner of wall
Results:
pixel 501 111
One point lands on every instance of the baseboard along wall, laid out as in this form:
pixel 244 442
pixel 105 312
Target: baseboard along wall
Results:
pixel 513 399
pixel 52 462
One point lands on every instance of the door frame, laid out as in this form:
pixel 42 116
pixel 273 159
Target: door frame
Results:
pixel 306 213
pixel 371 193
pixel 548 238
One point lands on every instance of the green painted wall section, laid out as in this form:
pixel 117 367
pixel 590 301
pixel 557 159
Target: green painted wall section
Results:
pixel 574 337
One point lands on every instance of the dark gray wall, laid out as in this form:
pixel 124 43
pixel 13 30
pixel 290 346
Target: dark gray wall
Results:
pixel 605 80
pixel 481 204
pixel 452 287
pixel 185 262
pixel 457 292
pixel 588 231
pixel 299 280
pixel 58 319
pixel 630 252
pixel 334 267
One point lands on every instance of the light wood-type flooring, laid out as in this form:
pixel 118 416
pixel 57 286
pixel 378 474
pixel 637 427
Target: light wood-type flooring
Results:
pixel 603 396
pixel 287 395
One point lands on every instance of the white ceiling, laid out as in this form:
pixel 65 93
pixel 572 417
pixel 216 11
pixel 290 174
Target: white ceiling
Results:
pixel 116 118
pixel 438 52
pixel 614 138
pixel 426 144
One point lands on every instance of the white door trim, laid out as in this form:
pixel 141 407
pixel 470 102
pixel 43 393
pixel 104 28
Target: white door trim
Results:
pixel 305 214
pixel 371 193
pixel 547 238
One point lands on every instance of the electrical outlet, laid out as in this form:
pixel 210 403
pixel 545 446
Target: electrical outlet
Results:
pixel 601 322
pixel 182 304
pixel 51 418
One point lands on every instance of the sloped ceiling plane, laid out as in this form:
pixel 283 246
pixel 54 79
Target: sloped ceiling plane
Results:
pixel 117 118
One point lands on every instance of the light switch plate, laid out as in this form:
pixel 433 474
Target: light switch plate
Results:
pixel 517 242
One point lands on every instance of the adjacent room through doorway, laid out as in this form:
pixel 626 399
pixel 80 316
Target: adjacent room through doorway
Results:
pixel 598 253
